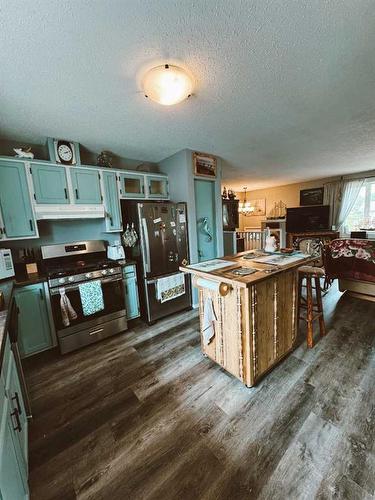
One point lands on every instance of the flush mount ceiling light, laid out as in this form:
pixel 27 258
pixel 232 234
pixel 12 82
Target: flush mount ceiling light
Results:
pixel 167 84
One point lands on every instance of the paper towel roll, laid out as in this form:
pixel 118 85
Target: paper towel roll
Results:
pixel 205 283
pixel 222 288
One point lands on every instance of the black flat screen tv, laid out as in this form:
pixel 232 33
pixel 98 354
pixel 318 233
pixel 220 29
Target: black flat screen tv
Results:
pixel 305 219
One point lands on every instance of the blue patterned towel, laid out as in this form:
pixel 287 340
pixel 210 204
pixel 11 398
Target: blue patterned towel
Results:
pixel 91 297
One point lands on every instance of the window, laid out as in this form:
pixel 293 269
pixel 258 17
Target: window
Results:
pixel 362 214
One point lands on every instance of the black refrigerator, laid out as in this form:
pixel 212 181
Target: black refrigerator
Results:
pixel 161 247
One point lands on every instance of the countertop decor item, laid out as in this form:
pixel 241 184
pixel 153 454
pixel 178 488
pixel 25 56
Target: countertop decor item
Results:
pixel 105 159
pixel 167 84
pixel 63 151
pixel 24 152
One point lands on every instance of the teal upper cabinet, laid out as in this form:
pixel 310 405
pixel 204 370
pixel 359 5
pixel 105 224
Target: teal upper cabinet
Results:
pixel 132 185
pixel 86 186
pixel 35 335
pixel 50 185
pixel 111 201
pixel 16 209
pixel 131 292
pixel 157 187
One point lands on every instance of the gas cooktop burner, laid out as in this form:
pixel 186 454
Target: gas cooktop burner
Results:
pixel 78 267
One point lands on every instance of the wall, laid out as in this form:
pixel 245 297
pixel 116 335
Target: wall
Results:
pixel 63 231
pixel 179 168
pixel 288 194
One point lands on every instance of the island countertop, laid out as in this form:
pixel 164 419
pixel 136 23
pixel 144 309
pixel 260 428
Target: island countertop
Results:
pixel 263 270
pixel 248 323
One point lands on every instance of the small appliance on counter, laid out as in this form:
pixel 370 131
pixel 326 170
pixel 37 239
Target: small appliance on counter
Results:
pixel 6 264
pixel 116 251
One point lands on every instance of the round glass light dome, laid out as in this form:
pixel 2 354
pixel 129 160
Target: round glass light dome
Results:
pixel 167 84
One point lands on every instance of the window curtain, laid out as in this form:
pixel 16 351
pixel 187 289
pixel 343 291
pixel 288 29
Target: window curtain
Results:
pixel 341 197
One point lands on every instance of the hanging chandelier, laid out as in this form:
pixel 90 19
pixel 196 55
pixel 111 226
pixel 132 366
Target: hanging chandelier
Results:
pixel 244 207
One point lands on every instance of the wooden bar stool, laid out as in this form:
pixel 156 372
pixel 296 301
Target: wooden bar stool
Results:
pixel 313 310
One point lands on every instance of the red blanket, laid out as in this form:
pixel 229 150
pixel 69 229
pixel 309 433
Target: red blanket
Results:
pixel 351 259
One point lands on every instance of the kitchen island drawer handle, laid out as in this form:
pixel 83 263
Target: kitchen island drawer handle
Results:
pixel 66 193
pixel 18 426
pixel 31 225
pixel 17 400
pixel 94 332
pixel 77 194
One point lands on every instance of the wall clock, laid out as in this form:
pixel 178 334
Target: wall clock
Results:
pixel 63 152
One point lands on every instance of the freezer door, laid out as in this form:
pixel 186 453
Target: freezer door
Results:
pixel 158 238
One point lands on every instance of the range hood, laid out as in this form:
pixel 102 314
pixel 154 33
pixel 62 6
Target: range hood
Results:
pixel 53 212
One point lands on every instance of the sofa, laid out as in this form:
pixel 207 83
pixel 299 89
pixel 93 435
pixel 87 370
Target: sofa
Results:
pixel 352 262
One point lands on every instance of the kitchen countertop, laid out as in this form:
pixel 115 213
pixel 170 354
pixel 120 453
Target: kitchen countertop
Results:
pixel 262 270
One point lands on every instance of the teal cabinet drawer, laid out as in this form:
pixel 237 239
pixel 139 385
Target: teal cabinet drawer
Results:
pixel 86 186
pixel 131 292
pixel 132 186
pixel 157 187
pixel 34 327
pixel 50 184
pixel 15 203
pixel 111 202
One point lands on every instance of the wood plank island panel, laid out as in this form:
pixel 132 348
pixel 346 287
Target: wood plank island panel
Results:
pixel 256 323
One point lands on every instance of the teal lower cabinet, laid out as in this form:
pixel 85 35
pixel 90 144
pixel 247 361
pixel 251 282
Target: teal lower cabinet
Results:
pixel 34 326
pixel 13 437
pixel 131 291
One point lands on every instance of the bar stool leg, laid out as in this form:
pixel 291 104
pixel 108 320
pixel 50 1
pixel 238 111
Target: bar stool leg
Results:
pixel 300 282
pixel 309 317
pixel 319 302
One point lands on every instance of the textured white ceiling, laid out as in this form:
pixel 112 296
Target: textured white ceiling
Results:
pixel 285 89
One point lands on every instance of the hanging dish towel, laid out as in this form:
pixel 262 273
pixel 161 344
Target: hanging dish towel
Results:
pixel 91 297
pixel 67 311
pixel 209 316
pixel 170 287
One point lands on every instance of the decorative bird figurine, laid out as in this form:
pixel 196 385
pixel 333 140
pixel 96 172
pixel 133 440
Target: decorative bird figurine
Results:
pixel 24 152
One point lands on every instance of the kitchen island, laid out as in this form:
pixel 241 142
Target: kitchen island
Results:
pixel 254 315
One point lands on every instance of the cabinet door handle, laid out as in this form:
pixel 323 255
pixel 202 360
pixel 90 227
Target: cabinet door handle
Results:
pixel 18 426
pixel 17 400
pixel 77 194
pixel 111 220
pixel 41 294
pixel 31 225
pixel 126 289
pixel 66 193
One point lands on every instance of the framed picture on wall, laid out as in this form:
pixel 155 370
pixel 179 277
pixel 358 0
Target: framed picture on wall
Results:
pixel 204 165
pixel 311 196
pixel 258 207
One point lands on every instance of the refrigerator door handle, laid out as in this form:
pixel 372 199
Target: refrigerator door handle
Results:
pixel 146 245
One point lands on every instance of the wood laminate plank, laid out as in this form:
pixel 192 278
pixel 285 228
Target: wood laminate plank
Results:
pixel 144 415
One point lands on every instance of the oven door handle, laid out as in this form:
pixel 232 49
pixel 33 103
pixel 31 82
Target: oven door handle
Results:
pixel 68 288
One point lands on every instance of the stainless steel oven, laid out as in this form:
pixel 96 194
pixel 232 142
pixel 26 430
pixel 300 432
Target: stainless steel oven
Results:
pixel 65 281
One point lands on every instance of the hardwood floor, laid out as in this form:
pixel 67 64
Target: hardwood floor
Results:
pixel 143 415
